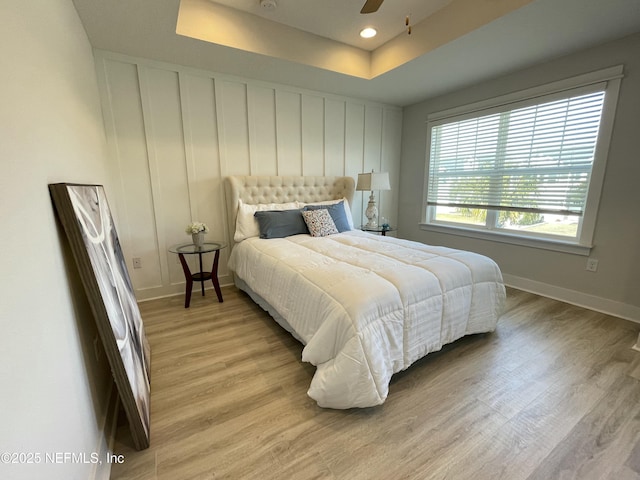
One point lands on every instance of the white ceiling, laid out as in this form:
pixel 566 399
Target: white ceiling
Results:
pixel 536 32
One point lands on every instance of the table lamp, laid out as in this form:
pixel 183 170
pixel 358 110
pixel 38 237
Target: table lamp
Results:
pixel 370 182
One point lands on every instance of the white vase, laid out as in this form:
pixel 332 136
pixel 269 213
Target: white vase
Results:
pixel 198 239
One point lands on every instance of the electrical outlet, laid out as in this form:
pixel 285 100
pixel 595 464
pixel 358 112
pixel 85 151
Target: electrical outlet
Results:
pixel 592 264
pixel 137 262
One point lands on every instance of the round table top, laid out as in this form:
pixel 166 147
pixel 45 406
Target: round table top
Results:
pixel 190 248
pixel 379 228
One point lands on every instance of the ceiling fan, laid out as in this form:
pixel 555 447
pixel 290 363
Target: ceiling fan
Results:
pixel 371 6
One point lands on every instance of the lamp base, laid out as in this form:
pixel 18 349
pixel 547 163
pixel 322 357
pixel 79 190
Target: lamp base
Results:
pixel 371 213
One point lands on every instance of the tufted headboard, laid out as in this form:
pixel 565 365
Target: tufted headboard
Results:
pixel 266 189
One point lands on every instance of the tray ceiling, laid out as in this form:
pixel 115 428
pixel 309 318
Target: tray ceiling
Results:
pixel 460 43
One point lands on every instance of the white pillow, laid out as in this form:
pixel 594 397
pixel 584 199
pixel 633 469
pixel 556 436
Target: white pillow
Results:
pixel 247 225
pixel 347 210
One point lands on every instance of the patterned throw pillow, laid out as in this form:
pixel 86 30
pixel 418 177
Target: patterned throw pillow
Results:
pixel 337 213
pixel 319 223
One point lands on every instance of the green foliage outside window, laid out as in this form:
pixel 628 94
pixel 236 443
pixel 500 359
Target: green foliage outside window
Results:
pixel 523 185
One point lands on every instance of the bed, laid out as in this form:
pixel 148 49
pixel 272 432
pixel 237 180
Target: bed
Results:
pixel 364 306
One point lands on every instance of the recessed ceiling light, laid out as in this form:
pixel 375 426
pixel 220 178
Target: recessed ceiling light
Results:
pixel 368 32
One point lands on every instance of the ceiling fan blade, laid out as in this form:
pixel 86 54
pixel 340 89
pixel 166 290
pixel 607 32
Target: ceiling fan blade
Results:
pixel 371 6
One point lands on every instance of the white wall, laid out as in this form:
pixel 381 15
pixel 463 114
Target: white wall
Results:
pixel 614 287
pixel 175 133
pixel 54 391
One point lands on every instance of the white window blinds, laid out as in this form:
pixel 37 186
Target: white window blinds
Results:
pixel 535 158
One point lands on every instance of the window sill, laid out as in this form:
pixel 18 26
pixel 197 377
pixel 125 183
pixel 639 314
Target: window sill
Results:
pixel 504 237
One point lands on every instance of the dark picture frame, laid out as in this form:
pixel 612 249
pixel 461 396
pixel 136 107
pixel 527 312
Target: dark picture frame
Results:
pixel 87 222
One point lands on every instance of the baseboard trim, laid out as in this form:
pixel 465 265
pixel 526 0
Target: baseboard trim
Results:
pixel 102 470
pixel 153 293
pixel 599 304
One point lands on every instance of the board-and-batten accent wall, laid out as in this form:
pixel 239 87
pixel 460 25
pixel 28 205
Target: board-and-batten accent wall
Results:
pixel 174 133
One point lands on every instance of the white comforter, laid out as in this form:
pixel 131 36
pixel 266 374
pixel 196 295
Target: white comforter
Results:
pixel 367 306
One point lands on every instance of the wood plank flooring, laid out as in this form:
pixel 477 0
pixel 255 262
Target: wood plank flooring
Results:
pixel 554 393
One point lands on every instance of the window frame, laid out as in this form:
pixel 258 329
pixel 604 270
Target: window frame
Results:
pixel 583 242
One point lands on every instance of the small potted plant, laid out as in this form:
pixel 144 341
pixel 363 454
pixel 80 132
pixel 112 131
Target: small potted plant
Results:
pixel 197 231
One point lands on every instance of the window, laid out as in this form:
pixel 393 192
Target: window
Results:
pixel 526 168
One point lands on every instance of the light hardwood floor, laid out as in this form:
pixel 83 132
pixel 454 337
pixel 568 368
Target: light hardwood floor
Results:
pixel 553 393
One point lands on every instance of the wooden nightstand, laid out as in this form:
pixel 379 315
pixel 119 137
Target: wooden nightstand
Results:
pixel 201 276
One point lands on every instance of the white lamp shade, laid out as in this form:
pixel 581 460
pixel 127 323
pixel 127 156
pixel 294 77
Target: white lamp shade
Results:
pixel 373 181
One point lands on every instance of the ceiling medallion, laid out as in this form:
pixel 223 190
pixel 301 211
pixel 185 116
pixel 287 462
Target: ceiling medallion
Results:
pixel 269 4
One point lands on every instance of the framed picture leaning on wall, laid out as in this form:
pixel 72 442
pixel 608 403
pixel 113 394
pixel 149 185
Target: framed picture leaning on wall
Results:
pixel 86 219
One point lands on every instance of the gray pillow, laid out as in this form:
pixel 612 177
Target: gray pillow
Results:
pixel 280 223
pixel 337 213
